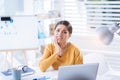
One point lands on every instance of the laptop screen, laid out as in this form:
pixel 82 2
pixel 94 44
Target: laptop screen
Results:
pixel 78 72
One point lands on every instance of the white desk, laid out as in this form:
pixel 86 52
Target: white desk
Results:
pixel 54 75
pixel 37 74
pixel 50 74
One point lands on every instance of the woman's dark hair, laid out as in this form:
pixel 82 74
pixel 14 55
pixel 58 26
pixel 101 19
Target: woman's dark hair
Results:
pixel 65 23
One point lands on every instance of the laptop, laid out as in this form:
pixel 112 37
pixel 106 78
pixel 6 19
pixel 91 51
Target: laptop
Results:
pixel 78 72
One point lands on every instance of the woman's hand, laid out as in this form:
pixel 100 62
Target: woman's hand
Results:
pixel 60 47
pixel 59 50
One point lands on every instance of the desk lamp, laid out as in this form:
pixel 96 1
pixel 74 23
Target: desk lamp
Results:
pixel 106 34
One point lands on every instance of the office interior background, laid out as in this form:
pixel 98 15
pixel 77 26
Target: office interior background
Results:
pixel 84 15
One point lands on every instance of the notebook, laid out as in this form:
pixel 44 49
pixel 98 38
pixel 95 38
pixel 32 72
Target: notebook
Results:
pixel 23 73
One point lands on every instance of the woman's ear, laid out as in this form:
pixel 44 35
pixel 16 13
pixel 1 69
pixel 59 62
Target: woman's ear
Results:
pixel 70 35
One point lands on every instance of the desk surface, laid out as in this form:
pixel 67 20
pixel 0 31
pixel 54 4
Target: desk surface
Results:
pixel 54 74
pixel 51 74
pixel 37 74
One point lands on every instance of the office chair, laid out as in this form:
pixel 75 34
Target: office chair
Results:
pixel 97 58
pixel 105 72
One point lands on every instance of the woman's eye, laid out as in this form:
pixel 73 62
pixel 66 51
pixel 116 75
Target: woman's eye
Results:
pixel 65 32
pixel 58 30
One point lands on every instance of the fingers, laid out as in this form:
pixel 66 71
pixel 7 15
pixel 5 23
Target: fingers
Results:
pixel 59 51
pixel 57 47
pixel 55 39
pixel 56 42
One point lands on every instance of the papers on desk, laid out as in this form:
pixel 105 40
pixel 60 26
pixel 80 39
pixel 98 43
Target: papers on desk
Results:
pixel 45 78
pixel 23 73
pixel 41 78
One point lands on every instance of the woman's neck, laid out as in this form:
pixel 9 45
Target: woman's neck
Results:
pixel 63 45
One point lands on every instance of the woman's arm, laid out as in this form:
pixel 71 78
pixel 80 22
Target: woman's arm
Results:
pixel 48 59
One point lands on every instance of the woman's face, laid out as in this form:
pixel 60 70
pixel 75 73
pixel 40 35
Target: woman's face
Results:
pixel 61 34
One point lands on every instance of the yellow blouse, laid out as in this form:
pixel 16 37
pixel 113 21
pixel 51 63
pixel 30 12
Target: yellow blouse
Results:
pixel 71 56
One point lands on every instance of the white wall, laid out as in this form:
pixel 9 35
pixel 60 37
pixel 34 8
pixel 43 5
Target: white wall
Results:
pixel 12 7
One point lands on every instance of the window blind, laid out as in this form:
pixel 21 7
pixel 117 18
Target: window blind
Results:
pixel 102 13
pixel 105 14
pixel 85 16
pixel 74 11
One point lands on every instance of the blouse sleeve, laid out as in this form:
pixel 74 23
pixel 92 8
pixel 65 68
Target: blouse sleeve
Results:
pixel 48 58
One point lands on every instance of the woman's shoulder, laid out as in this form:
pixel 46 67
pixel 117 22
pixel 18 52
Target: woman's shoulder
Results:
pixel 50 45
pixel 73 46
pixel 75 49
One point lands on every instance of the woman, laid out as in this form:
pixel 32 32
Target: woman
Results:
pixel 60 52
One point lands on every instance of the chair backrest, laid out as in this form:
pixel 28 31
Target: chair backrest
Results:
pixel 97 58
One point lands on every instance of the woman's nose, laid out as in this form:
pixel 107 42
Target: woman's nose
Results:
pixel 60 33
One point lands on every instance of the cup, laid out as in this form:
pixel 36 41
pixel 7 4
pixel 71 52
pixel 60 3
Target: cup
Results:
pixel 16 74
